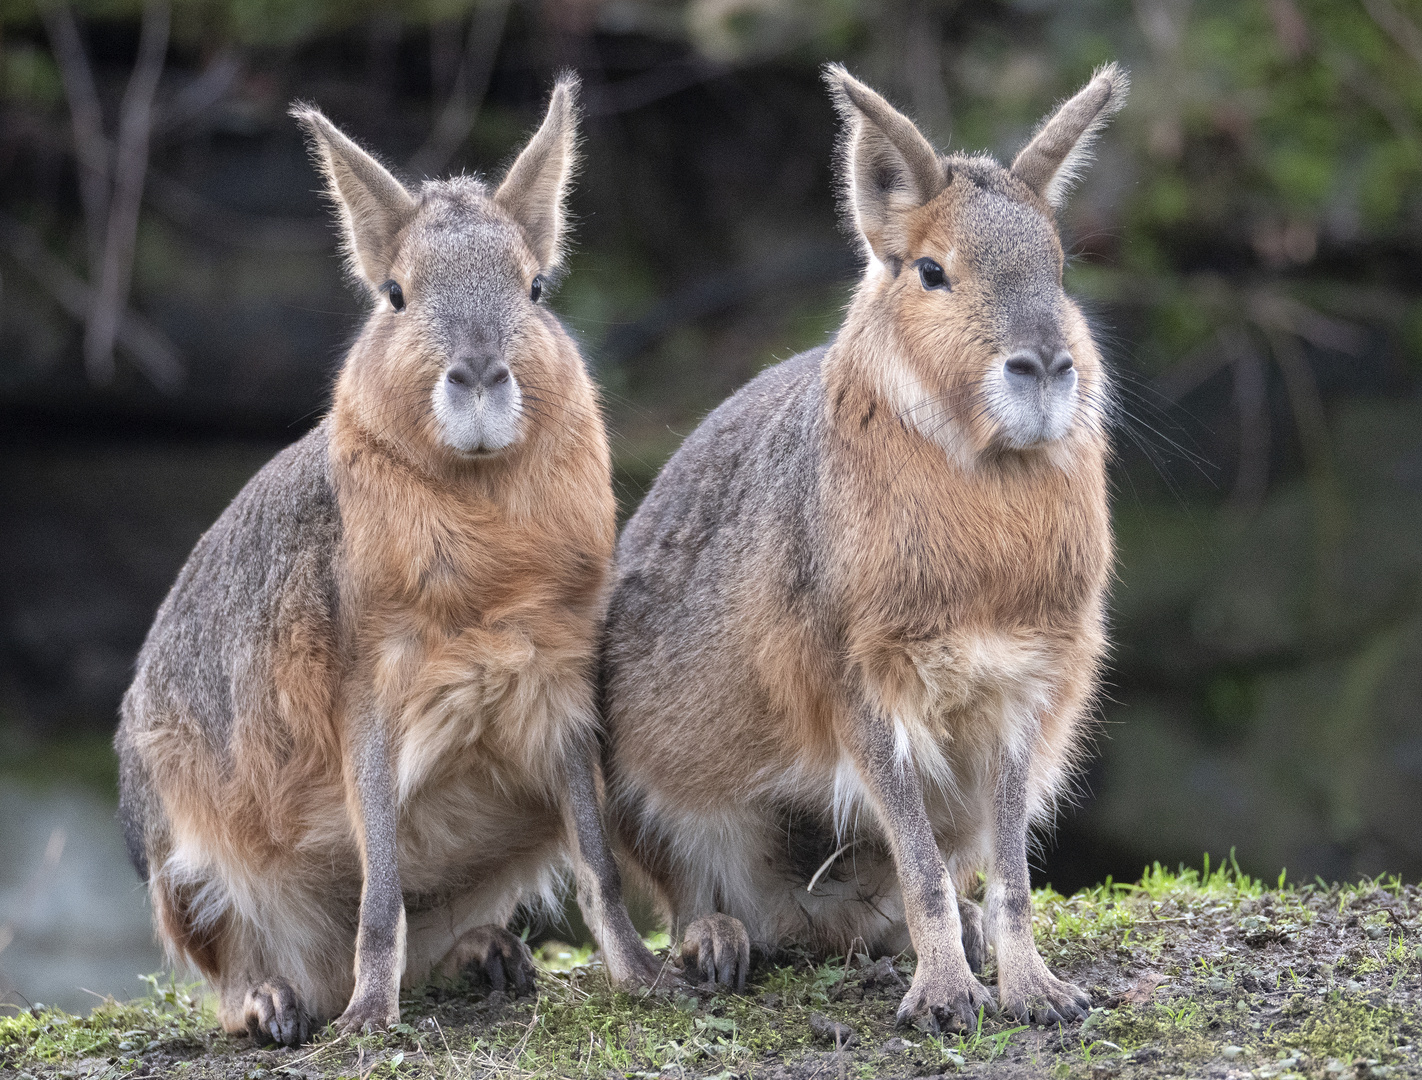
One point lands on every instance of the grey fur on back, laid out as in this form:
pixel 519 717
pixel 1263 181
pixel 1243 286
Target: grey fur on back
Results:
pixel 744 482
pixel 206 656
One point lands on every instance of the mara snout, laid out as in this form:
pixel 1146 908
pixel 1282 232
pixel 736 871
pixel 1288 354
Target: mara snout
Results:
pixel 856 626
pixel 362 729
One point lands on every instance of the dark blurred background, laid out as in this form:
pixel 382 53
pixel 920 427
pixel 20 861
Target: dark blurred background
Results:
pixel 172 311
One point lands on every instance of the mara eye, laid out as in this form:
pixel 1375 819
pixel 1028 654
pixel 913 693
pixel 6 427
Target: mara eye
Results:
pixel 931 274
pixel 536 289
pixel 396 294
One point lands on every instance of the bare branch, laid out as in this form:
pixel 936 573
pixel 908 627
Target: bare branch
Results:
pixel 638 91
pixel 1330 511
pixel 1397 26
pixel 709 295
pixel 1274 311
pixel 149 347
pixel 199 95
pixel 1195 368
pixel 1251 398
pixel 130 168
pixel 471 83
pixel 220 224
pixel 87 118
pixel 923 67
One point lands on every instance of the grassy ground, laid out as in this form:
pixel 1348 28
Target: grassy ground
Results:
pixel 1192 974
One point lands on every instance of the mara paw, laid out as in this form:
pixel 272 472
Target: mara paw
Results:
pixel 716 949
pixel 948 1004
pixel 368 1014
pixel 274 1014
pixel 1041 998
pixel 492 955
pixel 974 940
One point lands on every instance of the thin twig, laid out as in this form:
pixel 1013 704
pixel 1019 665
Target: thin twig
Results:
pixel 38 882
pixel 810 888
pixel 466 96
pixel 87 121
pixel 234 228
pixel 130 169
pixel 199 95
pixel 149 346
pixel 1397 26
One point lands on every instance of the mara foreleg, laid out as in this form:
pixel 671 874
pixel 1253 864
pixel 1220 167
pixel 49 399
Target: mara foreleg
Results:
pixel 943 986
pixel 380 936
pixel 1027 990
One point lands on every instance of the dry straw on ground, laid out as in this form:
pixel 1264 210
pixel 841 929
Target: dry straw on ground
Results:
pixel 1192 975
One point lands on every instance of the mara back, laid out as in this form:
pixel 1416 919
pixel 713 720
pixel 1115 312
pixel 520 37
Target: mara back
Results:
pixel 856 625
pixel 360 730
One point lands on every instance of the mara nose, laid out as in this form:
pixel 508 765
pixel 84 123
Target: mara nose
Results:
pixel 1034 364
pixel 481 372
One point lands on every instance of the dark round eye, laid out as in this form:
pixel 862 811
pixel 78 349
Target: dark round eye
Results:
pixel 396 294
pixel 536 289
pixel 931 274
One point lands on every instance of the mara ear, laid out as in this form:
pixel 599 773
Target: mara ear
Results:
pixel 373 205
pixel 886 165
pixel 537 182
pixel 1061 149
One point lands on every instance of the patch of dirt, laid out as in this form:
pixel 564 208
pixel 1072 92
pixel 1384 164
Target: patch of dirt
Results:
pixel 1211 977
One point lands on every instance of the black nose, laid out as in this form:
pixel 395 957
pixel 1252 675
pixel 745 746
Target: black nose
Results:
pixel 483 371
pixel 1032 363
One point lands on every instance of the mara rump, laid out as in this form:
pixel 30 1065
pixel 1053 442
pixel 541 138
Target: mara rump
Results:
pixel 363 726
pixel 856 626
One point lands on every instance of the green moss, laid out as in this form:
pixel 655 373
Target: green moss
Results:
pixel 1181 1027
pixel 1347 1028
pixel 1184 966
pixel 171 1018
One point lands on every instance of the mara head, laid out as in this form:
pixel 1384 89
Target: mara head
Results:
pixel 965 329
pixel 458 358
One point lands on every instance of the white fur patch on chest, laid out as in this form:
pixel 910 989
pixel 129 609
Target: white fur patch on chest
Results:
pixel 479 702
pixel 987 689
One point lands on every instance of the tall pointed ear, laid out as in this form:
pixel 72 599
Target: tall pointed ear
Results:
pixel 537 182
pixel 1051 163
pixel 373 205
pixel 886 165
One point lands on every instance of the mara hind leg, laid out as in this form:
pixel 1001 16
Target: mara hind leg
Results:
pixel 716 950
pixel 974 937
pixel 280 957
pixel 754 881
pixel 702 870
pixel 467 935
pixel 490 954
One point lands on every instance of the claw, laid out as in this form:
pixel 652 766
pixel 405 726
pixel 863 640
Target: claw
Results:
pixel 366 1016
pixel 1041 998
pixel 717 948
pixel 275 1014
pixel 493 955
pixel 948 1004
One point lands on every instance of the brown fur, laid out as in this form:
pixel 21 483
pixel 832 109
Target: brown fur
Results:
pixel 381 749
pixel 859 621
